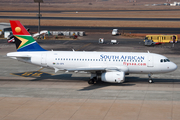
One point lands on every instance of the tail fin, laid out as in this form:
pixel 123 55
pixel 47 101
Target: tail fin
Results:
pixel 23 40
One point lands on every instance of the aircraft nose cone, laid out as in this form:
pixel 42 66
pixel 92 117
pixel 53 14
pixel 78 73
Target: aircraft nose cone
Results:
pixel 173 67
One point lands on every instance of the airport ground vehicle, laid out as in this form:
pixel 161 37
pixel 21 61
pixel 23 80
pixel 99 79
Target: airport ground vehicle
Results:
pixel 115 32
pixel 162 38
pixel 10 39
pixel 101 40
pixel 114 42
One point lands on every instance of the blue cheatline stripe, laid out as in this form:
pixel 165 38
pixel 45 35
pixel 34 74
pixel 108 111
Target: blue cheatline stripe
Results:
pixel 32 47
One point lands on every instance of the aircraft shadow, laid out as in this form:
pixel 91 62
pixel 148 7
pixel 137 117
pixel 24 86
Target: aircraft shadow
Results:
pixel 129 81
pixel 103 84
pixel 145 80
pixel 60 78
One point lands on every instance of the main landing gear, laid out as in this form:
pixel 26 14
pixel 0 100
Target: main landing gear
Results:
pixel 150 79
pixel 95 78
pixel 91 81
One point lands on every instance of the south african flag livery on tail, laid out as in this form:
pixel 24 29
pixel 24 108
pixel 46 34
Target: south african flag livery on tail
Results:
pixel 23 40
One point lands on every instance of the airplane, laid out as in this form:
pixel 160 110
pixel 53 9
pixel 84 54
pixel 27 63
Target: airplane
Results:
pixel 105 66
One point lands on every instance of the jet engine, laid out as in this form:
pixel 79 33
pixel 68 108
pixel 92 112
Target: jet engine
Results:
pixel 113 77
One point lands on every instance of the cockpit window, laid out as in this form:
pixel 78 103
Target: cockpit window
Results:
pixel 167 60
pixel 164 60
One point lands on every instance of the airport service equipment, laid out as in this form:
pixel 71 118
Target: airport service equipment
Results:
pixel 115 32
pixel 162 38
pixel 113 41
pixel 101 40
pixel 148 42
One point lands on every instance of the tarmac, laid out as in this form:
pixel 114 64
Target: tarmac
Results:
pixel 28 92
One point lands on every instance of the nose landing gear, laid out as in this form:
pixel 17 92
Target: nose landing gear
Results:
pixel 150 79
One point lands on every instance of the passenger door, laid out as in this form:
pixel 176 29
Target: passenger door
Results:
pixel 43 60
pixel 150 61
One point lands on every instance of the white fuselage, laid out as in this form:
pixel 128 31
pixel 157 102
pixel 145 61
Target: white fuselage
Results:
pixel 98 61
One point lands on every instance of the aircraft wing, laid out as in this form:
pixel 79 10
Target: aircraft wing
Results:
pixel 94 69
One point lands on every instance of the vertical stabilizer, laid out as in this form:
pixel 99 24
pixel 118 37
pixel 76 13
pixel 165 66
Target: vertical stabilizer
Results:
pixel 23 40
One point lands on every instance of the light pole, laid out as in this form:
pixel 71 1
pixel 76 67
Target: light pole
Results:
pixel 39 15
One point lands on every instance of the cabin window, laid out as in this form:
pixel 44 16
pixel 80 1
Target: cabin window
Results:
pixel 55 58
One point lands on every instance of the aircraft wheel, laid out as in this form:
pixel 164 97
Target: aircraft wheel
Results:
pixel 150 81
pixel 91 81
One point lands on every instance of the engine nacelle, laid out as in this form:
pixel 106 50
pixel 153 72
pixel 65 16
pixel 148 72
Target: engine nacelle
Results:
pixel 113 77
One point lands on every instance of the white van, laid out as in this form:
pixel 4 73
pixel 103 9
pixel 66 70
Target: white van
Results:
pixel 115 32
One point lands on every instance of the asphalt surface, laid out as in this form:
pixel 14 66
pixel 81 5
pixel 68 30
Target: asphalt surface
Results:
pixel 59 11
pixel 92 18
pixel 108 29
pixel 68 96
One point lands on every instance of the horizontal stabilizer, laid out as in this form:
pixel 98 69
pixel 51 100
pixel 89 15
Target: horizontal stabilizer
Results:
pixel 17 55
